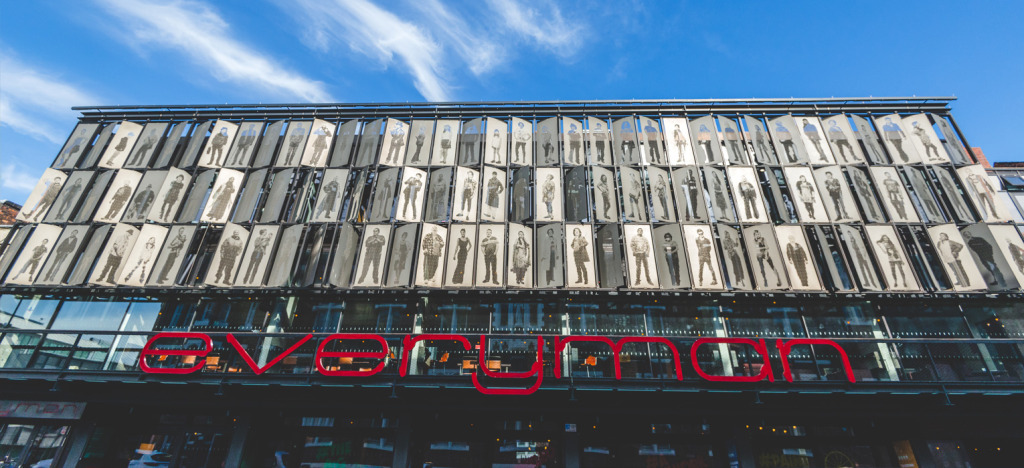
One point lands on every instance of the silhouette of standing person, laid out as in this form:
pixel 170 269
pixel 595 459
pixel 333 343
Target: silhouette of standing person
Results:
pixel 671 251
pixel 838 138
pixel 446 143
pixel 221 199
pixel 749 195
pixel 653 149
pixel 259 250
pixel 397 142
pixel 61 253
pixel 148 250
pixel 986 254
pixel 522 137
pixel 118 201
pixel 548 195
pixel 489 244
pixel 420 139
pixel 46 200
pixel 894 134
pixel 785 137
pixel 372 255
pixel 432 247
pixel 319 144
pixel 835 193
pixel 949 252
pixel 38 253
pixel 680 141
pixel 806 192
pixel 118 249
pixel 411 192
pixel 704 258
pixel 230 249
pixel 328 197
pixel 606 196
pixel 575 144
pixel 245 141
pixel 294 140
pixel 641 252
pixel 216 148
pixel 462 246
pixel 520 258
pixel 895 192
pixel 731 247
pixel 811 131
pixel 895 260
pixel 764 258
pixel 173 250
pixel 580 255
pixel 171 197
pixel 704 141
pixel 798 258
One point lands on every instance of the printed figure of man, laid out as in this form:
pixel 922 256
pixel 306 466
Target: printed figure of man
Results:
pixel 119 148
pixel 749 194
pixel 606 195
pixel 397 142
pixel 653 150
pixel 141 203
pixel 871 143
pixel 446 143
pixel 679 138
pixel 838 138
pixel 421 137
pixel 173 250
pixel 118 201
pixel 704 141
pixel 986 196
pixel 641 250
pixel 835 193
pixel 661 193
pixel 230 249
pixel 761 143
pixel 895 192
pixel 806 192
pixel 926 141
pixel 764 258
pixel 489 244
pixel 865 192
pixel 468 192
pixel 469 143
pixel 798 258
pixel 74 147
pixel 221 200
pixel 811 131
pixel 61 253
pixel 46 201
pixel 294 140
pixel 141 150
pixel 521 137
pixel 245 141
pixel 690 187
pixel 894 134
pixel 520 258
pixel 628 145
pixel 548 195
pixel 71 196
pixel 863 266
pixel 148 250
pixel 328 198
pixel 494 191
pixel 432 247
pixel 439 196
pixel 732 250
pixel 547 145
pixel 552 257
pixel 575 144
pixel 462 247
pixel 259 250
pixel 986 254
pixel 372 255
pixel 785 137
pixel 402 255
pixel 671 250
pixel 732 139
pixel 118 249
pixel 216 148
pixel 382 201
pixel 599 140
pixel 38 253
pixel 704 258
pixel 411 191
pixel 895 260
pixel 171 197
pixel 949 252
pixel 720 200
pixel 580 255
pixel 319 144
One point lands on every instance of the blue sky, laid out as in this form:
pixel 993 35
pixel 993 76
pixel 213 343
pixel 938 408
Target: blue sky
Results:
pixel 59 54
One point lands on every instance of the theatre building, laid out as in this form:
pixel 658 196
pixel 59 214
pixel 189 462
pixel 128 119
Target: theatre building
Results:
pixel 716 283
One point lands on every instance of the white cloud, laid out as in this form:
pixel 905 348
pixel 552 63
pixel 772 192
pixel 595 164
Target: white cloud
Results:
pixel 37 103
pixel 481 53
pixel 544 26
pixel 17 178
pixel 198 31
pixel 378 34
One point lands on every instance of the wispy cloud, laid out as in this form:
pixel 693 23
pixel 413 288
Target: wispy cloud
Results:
pixel 37 103
pixel 480 52
pixel 198 31
pixel 379 34
pixel 16 178
pixel 545 26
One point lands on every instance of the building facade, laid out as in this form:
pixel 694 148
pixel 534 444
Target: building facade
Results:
pixel 753 283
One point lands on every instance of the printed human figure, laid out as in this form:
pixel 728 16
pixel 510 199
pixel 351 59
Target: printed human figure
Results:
pixel 495 147
pixel 949 252
pixel 719 189
pixel 552 257
pixel 641 251
pixel 838 138
pixel 764 258
pixel 951 139
pixel 679 138
pixel 635 194
pixel 385 189
pixel 521 136
pixel 230 249
pixel 865 192
pixel 862 263
pixel 871 143
pixel 661 192
pixel 547 145
pixel 690 186
pixel 397 142
pixel 548 195
pixel 432 247
pixel 704 258
pixel 606 195
pixel 628 145
pixel 468 193
pixel 580 255
pixel 895 193
pixel 73 148
pixel 259 250
pixel 520 258
pixel 985 194
pixel 221 199
pixel 520 195
pixel 798 258
pixel 118 249
pixel 294 140
pixel 118 201
pixel 986 254
pixel 38 253
pixel 732 251
pixel 148 250
pixel 469 140
pixel 46 201
pixel 806 193
pixel 216 148
pixel 494 190
pixel 446 143
pixel 599 139
pixel 372 255
pixel 704 141
pixel 140 152
pixel 421 137
pixel 895 260
pixel 411 191
pixel 173 250
pixel 785 137
pixel 462 248
pixel 811 131
pixel 575 144
pixel 141 203
pixel 1016 252
pixel 439 194
pixel 119 148
pixel 489 244
pixel 894 134
pixel 732 139
pixel 749 194
pixel 401 255
pixel 328 198
pixel 931 209
pixel 245 141
pixel 64 249
pixel 926 141
pixel 171 197
pixel 671 250
pixel 835 193
pixel 319 144
pixel 653 149
pixel 70 197
pixel 761 143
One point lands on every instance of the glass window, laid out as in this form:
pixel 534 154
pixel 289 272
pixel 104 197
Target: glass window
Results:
pixel 90 315
pixel 33 313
